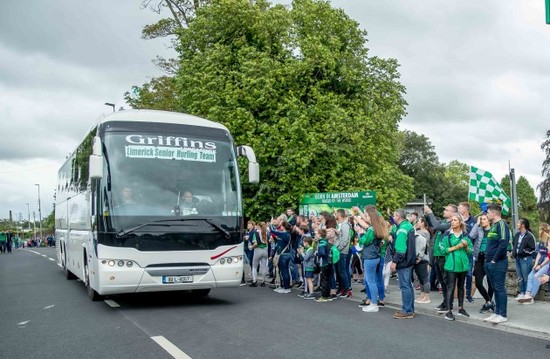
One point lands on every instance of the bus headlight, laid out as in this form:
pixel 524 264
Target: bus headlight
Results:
pixel 111 263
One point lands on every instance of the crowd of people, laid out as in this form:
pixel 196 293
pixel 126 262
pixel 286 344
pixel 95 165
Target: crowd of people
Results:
pixel 454 255
pixel 10 241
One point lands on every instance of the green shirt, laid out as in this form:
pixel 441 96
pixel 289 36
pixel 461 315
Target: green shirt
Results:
pixel 456 261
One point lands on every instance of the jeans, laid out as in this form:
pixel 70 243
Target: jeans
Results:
pixel 421 270
pixel 371 266
pixel 284 262
pixel 479 273
pixel 407 292
pixel 496 273
pixel 523 268
pixel 341 275
pixel 293 267
pixel 348 267
pixel 533 283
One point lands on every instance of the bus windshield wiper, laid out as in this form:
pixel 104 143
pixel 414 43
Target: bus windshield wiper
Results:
pixel 162 223
pixel 207 220
pixel 131 230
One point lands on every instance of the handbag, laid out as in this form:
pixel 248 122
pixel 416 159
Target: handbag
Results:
pixel 278 255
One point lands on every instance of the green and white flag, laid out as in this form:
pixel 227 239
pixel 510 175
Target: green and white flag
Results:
pixel 485 189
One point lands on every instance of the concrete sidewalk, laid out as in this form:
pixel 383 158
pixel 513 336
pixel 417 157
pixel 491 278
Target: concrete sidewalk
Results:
pixel 531 320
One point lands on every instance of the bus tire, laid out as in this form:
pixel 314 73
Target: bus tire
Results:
pixel 68 274
pixel 199 293
pixel 92 294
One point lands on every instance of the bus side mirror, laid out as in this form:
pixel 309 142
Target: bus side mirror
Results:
pixel 253 166
pixel 96 160
pixel 253 172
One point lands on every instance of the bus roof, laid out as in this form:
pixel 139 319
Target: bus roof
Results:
pixel 160 117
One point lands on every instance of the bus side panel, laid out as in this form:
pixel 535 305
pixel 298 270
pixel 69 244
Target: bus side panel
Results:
pixel 79 232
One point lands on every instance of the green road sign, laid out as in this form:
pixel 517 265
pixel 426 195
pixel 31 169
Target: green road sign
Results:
pixel 315 203
pixel 547 7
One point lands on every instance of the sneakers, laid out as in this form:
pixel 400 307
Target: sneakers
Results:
pixel 463 313
pixel 242 284
pixel 491 318
pixel 520 296
pixel 381 304
pixel 400 315
pixel 285 291
pixel 449 316
pixel 423 300
pixel 302 295
pixel 262 284
pixel 309 296
pixel 365 303
pixel 469 298
pixel 373 308
pixel 347 294
pixel 527 299
pixel 279 290
pixel 486 308
pixel 499 319
pixel 323 300
pixel 253 284
pixel 442 309
pixel 333 297
pixel 442 305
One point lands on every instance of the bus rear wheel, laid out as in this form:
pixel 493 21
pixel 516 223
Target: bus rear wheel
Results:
pixel 68 274
pixel 92 294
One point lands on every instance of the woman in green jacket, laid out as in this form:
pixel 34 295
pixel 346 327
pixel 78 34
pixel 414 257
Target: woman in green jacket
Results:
pixel 456 245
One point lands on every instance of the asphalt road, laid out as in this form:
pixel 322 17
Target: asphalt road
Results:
pixel 45 316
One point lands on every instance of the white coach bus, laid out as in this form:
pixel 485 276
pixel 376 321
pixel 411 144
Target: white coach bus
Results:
pixel 151 201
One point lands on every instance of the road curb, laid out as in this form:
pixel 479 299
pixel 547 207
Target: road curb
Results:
pixel 509 327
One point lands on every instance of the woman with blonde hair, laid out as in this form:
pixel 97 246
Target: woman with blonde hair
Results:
pixel 371 241
pixel 542 263
pixel 457 246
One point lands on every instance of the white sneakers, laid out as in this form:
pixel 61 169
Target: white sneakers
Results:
pixel 372 308
pixel 520 296
pixel 496 319
pixel 499 319
pixel 281 290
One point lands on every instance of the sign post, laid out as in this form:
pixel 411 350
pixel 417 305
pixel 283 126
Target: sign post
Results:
pixel 315 203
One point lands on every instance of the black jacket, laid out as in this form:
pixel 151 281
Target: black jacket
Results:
pixel 527 246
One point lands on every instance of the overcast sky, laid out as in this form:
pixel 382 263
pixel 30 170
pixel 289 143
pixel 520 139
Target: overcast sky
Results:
pixel 477 75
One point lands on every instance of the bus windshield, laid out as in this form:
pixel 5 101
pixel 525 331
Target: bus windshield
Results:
pixel 166 175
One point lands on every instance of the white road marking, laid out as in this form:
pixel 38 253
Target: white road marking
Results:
pixel 50 258
pixel 43 255
pixel 49 306
pixel 23 324
pixel 59 265
pixel 170 348
pixel 111 303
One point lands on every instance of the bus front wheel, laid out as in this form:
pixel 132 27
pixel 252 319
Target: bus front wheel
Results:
pixel 92 294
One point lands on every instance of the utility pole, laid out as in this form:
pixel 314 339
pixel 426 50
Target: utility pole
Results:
pixel 29 217
pixel 515 214
pixel 39 209
pixel 34 223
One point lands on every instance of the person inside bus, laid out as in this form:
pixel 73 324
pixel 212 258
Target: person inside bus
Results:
pixel 188 201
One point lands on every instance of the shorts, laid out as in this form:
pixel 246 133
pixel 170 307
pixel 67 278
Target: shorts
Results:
pixel 309 274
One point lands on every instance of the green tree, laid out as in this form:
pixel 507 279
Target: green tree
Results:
pixel 297 85
pixel 527 201
pixel 544 186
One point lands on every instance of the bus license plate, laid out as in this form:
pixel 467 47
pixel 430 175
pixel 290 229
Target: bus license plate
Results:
pixel 177 279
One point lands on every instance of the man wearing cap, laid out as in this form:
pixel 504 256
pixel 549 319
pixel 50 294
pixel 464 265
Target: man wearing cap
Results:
pixel 440 227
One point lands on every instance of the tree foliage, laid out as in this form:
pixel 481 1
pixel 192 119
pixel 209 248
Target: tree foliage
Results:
pixel 298 85
pixel 527 201
pixel 544 186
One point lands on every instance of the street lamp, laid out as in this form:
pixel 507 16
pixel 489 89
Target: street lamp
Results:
pixel 110 104
pixel 39 210
pixel 29 214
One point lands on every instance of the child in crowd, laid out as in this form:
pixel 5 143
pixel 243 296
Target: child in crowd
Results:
pixel 324 254
pixel 308 254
